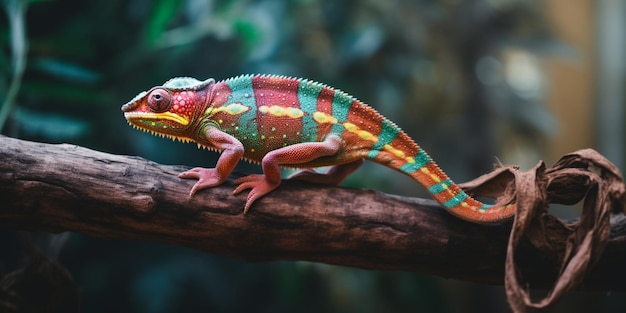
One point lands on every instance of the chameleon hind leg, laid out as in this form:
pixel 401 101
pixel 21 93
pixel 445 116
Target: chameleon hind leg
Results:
pixel 292 155
pixel 334 176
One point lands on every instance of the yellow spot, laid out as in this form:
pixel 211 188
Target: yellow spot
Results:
pixel 395 151
pixel 294 113
pixel 234 108
pixel 276 110
pixel 361 133
pixel 432 176
pixel 410 160
pixel 324 118
pixel 350 127
pixel 280 111
pixel 368 136
pixel 464 204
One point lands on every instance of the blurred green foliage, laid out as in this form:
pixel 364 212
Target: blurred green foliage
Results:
pixel 434 67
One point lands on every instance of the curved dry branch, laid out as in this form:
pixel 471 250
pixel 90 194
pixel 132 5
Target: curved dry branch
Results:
pixel 56 188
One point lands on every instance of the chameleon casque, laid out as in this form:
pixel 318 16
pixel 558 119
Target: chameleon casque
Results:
pixel 282 121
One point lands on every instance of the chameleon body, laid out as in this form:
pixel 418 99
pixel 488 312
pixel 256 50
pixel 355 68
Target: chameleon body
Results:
pixel 282 121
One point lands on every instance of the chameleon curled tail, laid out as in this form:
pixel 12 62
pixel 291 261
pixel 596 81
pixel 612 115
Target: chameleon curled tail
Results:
pixel 449 195
pixel 283 121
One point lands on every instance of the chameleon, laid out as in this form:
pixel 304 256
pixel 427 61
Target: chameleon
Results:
pixel 281 121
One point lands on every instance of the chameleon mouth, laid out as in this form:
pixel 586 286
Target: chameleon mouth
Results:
pixel 157 116
pixel 181 139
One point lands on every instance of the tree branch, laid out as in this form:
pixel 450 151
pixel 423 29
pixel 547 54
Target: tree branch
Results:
pixel 56 188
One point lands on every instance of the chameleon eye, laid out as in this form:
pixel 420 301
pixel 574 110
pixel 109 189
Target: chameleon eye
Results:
pixel 159 100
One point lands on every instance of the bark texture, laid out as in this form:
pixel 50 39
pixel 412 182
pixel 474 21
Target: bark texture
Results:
pixel 57 188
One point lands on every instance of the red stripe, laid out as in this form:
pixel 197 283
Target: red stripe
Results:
pixel 221 93
pixel 277 131
pixel 325 100
pixel 271 90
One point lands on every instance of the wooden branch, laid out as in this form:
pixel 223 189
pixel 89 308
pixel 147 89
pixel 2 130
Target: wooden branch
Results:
pixel 56 188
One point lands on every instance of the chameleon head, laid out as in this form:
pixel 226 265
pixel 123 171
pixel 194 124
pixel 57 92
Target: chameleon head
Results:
pixel 171 109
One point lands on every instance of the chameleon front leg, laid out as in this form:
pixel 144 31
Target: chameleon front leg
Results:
pixel 210 177
pixel 293 155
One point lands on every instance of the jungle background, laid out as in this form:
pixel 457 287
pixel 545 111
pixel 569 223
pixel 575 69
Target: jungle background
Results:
pixel 470 81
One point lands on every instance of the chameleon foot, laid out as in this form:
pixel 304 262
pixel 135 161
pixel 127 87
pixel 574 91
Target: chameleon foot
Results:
pixel 258 183
pixel 207 177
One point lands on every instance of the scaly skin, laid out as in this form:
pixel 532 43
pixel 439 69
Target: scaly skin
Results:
pixel 281 121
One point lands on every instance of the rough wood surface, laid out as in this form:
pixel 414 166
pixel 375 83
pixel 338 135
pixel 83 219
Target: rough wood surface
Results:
pixel 56 188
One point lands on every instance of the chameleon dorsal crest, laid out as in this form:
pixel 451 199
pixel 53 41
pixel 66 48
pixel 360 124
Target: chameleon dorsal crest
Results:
pixel 283 121
pixel 187 83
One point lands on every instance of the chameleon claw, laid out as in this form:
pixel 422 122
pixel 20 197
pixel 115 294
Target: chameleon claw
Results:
pixel 194 189
pixel 258 183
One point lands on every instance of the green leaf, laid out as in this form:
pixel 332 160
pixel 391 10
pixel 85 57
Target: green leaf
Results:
pixel 161 15
pixel 249 33
pixel 65 92
pixel 66 70
pixel 51 126
pixel 37 1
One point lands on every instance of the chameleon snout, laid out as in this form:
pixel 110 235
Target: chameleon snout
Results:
pixel 133 104
pixel 129 107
